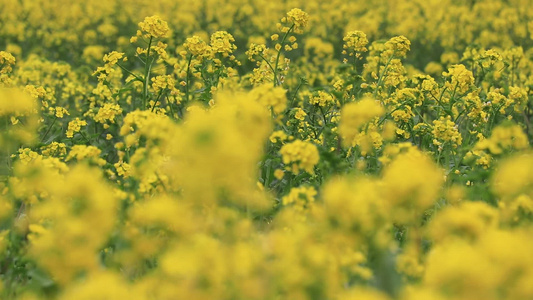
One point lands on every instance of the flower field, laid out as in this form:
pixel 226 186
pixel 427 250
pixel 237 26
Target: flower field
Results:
pixel 238 149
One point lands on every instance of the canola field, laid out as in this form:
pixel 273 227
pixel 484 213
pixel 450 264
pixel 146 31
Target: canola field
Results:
pixel 238 149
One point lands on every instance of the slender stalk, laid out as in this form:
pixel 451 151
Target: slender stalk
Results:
pixel 295 93
pixel 270 65
pixel 172 114
pixel 85 137
pixel 147 69
pixel 354 72
pixel 129 72
pixel 48 131
pixel 157 99
pixel 382 75
pixel 279 54
pixel 187 78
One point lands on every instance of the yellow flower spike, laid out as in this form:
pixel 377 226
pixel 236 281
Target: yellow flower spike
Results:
pixel 222 42
pixel 411 184
pixel 197 47
pixel 398 46
pixel 279 174
pixel 154 26
pixel 461 79
pixel 355 115
pixel 75 126
pixel 7 61
pixel 446 131
pixel 355 41
pixel 297 17
pixel 274 98
pixel 300 155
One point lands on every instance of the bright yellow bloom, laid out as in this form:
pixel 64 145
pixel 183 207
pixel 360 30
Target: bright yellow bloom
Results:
pixel 75 126
pixel 411 185
pixel 197 47
pixel 355 115
pixel 445 131
pixel 298 17
pixel 355 41
pixel 274 98
pixel 300 155
pixel 155 27
pixel 461 79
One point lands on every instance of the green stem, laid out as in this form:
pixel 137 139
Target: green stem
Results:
pixel 157 99
pixel 279 54
pixel 390 114
pixel 187 78
pixel 453 96
pixel 171 109
pixel 147 69
pixel 129 72
pixel 382 75
pixel 296 93
pixel 354 74
pixel 420 115
pixel 85 137
pixel 270 65
pixel 48 131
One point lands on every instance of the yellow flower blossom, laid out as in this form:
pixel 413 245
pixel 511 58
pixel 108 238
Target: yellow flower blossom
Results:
pixel 75 126
pixel 154 26
pixel 300 155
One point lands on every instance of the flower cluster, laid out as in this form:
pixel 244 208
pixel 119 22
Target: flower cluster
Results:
pixel 108 112
pixel 7 60
pixel 272 97
pixel 355 115
pixel 445 131
pixel 397 46
pixel 298 18
pixel 239 158
pixel 153 26
pixel 75 126
pixel 300 155
pixel 461 78
pixel 222 42
pixel 354 41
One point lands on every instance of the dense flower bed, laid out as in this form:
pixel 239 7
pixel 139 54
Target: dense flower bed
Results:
pixel 244 149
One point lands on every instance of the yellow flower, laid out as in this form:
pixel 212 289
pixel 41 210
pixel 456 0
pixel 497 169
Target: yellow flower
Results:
pixel 299 113
pixel 256 49
pixel 300 155
pixel 300 197
pixel 322 99
pixel 397 47
pixel 504 137
pixel 445 130
pixel 197 47
pixel 355 115
pixel 297 17
pixel 279 174
pixel 411 185
pixel 155 27
pixel 278 136
pixel 355 41
pixel 7 60
pixel 86 153
pixel 112 58
pixel 468 220
pixel 108 112
pixel 75 126
pixel 271 97
pixel 222 42
pixel 461 79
